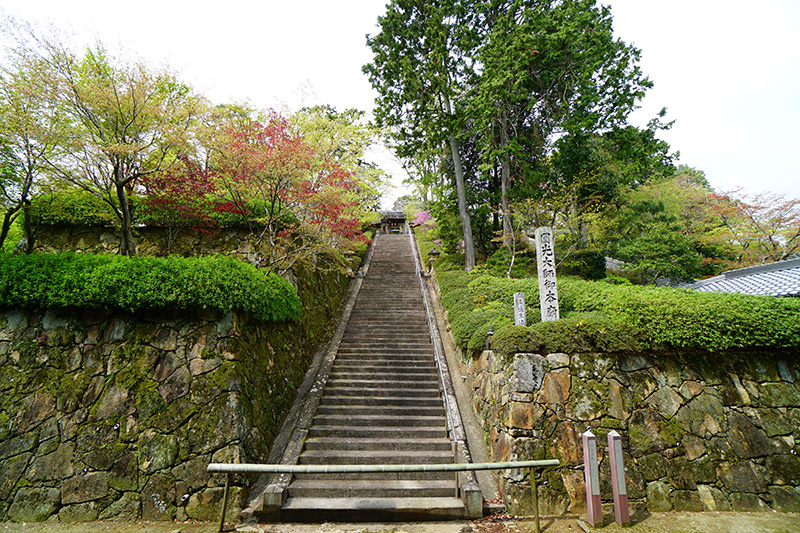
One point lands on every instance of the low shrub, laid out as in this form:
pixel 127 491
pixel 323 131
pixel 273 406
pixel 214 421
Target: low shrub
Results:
pixel 612 316
pixel 71 208
pixel 80 208
pixel 524 263
pixel 141 284
pixel 583 333
pixel 587 264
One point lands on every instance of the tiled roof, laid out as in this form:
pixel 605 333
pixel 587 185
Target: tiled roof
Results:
pixel 392 215
pixel 775 279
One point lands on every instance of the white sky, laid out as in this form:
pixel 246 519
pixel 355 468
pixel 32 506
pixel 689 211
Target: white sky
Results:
pixel 728 71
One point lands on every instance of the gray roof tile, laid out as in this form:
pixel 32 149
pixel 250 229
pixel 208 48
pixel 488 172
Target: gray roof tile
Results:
pixel 775 279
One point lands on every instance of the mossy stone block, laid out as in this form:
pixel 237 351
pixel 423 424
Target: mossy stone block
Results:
pixel 659 499
pixel 34 504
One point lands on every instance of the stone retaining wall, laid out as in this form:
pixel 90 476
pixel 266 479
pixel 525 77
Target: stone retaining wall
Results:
pixel 149 241
pixel 117 417
pixel 701 432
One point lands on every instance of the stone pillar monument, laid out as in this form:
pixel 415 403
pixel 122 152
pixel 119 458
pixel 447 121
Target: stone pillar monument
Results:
pixel 546 262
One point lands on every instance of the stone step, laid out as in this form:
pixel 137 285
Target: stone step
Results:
pixel 379 432
pixel 390 365
pixel 382 475
pixel 385 336
pixel 369 384
pixel 389 315
pixel 356 399
pixel 388 488
pixel 381 405
pixel 380 420
pixel 381 392
pixel 341 377
pixel 372 410
pixel 300 509
pixel 397 348
pixel 353 374
pixel 397 444
pixel 397 297
pixel 400 358
pixel 404 327
pixel 374 457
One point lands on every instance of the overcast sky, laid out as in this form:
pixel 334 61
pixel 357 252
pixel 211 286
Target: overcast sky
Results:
pixel 728 71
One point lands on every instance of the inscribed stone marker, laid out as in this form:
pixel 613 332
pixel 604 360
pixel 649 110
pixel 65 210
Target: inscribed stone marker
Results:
pixel 546 263
pixel 520 315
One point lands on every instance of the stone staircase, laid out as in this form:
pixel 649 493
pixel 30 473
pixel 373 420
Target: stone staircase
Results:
pixel 381 405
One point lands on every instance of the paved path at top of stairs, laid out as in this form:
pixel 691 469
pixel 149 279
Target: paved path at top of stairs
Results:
pixel 381 405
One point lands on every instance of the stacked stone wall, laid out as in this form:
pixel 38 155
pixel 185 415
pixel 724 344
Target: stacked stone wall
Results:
pixel 150 241
pixel 117 416
pixel 701 431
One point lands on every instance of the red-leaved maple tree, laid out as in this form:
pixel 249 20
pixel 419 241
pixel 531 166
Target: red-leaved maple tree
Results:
pixel 183 196
pixel 302 203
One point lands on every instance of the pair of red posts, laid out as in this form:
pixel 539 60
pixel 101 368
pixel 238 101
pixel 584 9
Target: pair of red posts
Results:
pixel 595 513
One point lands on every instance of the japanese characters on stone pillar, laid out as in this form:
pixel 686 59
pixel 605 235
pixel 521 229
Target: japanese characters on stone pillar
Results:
pixel 520 314
pixel 546 261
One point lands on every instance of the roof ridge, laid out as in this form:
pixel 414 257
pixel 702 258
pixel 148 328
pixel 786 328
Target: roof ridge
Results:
pixel 759 269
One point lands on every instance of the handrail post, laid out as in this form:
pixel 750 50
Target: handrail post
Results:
pixel 535 500
pixel 224 503
pixel 455 457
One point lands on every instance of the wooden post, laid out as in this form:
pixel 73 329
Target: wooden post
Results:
pixel 621 511
pixel 593 509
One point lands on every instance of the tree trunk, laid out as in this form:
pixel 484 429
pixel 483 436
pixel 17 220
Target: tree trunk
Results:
pixel 466 227
pixel 26 224
pixel 7 220
pixel 469 248
pixel 127 246
pixel 505 178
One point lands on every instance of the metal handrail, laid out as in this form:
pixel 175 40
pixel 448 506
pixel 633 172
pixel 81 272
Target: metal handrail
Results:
pixel 437 354
pixel 249 468
pixel 231 468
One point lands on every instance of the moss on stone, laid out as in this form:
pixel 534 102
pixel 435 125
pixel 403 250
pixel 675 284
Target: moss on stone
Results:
pixel 611 423
pixel 671 431
pixel 27 347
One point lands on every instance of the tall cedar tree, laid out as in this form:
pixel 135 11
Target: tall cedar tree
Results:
pixel 423 57
pixel 549 69
pixel 510 76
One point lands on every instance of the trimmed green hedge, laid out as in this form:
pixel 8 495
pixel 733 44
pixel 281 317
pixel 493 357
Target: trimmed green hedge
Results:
pixel 80 208
pixel 71 207
pixel 139 284
pixel 607 317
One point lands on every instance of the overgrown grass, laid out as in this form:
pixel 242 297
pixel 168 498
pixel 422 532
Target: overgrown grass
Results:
pixel 140 284
pixel 607 317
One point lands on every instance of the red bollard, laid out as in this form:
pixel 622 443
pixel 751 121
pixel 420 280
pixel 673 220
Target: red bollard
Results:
pixel 594 511
pixel 621 510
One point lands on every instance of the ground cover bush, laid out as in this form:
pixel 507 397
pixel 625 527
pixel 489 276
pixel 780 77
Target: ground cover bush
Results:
pixel 80 208
pixel 139 284
pixel 599 316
